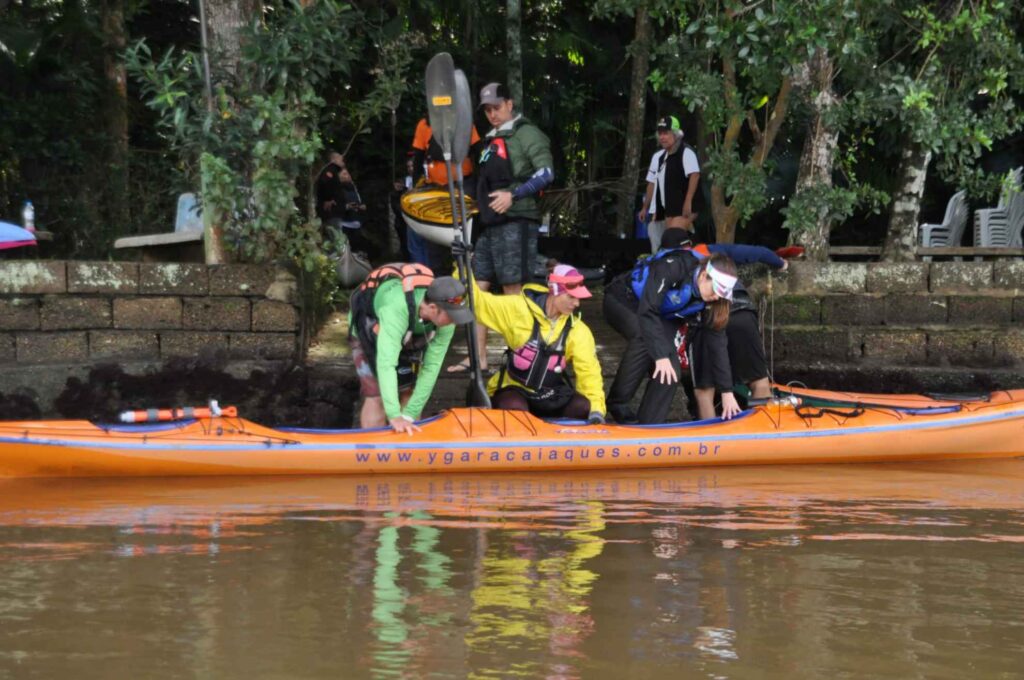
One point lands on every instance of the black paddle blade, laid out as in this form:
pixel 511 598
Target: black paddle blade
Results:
pixel 463 118
pixel 441 96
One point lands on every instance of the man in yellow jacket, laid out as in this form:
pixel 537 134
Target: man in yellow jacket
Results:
pixel 545 336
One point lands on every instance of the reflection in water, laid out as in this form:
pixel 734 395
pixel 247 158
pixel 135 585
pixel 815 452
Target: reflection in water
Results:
pixel 887 571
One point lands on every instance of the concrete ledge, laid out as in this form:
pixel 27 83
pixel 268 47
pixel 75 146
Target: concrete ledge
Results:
pixel 173 279
pixel 33 277
pixel 1009 274
pixel 827 277
pixel 103 277
pixel 153 240
pixel 897 277
pixel 960 277
pixel 241 279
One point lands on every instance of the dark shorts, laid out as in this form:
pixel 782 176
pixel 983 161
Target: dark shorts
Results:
pixel 368 385
pixel 746 349
pixel 505 253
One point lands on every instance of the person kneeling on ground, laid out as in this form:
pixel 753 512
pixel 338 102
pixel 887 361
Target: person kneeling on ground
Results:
pixel 646 305
pixel 545 337
pixel 400 325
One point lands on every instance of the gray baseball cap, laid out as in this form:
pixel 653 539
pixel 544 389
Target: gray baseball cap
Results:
pixel 449 294
pixel 493 93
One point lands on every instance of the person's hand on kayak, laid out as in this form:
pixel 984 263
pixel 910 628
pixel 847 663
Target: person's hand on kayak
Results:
pixel 403 424
pixel 664 372
pixel 730 407
pixel 501 201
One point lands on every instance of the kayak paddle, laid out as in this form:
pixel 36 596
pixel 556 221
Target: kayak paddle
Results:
pixel 449 108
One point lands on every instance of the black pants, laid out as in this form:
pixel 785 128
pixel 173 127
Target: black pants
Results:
pixel 512 399
pixel 637 365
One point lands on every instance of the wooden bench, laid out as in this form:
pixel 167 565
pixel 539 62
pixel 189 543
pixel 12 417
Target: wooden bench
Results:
pixel 933 251
pixel 184 244
pixel 177 246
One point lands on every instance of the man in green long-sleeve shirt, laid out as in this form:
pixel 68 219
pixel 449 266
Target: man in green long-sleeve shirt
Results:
pixel 398 342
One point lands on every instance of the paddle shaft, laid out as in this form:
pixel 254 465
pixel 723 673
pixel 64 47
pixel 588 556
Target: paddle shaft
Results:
pixel 477 394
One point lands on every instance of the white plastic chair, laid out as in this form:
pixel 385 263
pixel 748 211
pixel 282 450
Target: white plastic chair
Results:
pixel 951 231
pixel 188 217
pixel 1000 227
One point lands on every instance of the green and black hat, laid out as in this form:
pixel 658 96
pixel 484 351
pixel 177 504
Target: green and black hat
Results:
pixel 666 123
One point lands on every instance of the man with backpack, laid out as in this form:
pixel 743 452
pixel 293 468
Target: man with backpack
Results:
pixel 515 167
pixel 672 181
pixel 401 322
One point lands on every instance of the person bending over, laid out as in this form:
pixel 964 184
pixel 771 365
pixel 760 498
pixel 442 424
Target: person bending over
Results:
pixel 645 305
pixel 401 322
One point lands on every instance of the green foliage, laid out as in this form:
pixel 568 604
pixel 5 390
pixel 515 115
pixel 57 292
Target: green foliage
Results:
pixel 255 143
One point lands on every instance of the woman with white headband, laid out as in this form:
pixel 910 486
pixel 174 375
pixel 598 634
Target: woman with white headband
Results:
pixel 646 305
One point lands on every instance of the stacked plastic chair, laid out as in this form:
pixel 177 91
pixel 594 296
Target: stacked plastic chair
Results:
pixel 1000 227
pixel 951 231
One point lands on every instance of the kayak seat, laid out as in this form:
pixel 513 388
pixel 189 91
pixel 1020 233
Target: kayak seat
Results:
pixel 958 396
pixel 133 428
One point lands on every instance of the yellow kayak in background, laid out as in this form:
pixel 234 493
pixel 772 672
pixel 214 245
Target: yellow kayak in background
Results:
pixel 428 211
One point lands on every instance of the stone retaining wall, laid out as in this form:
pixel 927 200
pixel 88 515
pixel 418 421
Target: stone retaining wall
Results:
pixel 70 312
pixel 968 314
pixel 83 339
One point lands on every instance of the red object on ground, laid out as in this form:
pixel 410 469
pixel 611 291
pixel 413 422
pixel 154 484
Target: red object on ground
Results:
pixel 790 252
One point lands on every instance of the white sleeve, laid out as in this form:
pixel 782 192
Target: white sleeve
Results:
pixel 690 164
pixel 652 171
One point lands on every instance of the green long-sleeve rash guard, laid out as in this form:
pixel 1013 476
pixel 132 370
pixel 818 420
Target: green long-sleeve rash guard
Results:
pixel 393 316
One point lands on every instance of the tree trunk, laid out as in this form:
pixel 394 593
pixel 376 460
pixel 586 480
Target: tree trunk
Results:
pixel 726 215
pixel 227 21
pixel 116 172
pixel 906 207
pixel 514 29
pixel 640 50
pixel 818 155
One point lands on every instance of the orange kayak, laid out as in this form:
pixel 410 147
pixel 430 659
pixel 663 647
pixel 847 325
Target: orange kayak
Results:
pixel 478 440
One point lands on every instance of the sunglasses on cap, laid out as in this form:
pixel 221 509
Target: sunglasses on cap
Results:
pixel 457 300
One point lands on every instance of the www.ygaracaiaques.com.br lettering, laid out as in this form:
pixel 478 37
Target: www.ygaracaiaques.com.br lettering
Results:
pixel 535 455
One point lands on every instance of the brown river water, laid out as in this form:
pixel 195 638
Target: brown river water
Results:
pixel 869 571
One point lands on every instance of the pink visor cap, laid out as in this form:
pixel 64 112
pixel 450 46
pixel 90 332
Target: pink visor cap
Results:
pixel 566 279
pixel 721 282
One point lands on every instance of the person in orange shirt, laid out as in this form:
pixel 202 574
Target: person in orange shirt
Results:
pixel 428 157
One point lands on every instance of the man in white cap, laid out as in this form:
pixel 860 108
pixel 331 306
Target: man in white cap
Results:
pixel 545 335
pixel 672 182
